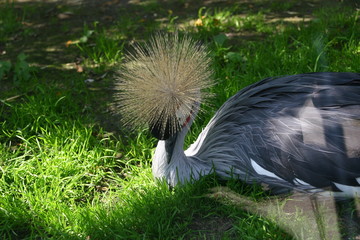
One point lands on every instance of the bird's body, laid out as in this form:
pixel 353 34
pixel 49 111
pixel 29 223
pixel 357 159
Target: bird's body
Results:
pixel 294 132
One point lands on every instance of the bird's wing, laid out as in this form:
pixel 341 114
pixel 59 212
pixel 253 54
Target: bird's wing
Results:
pixel 315 140
pixel 300 131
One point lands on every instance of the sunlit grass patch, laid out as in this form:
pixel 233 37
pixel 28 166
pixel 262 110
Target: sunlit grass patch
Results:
pixel 100 48
pixel 229 20
pixel 52 163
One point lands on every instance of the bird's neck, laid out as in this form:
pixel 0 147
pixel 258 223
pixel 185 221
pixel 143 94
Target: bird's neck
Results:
pixel 170 161
pixel 168 154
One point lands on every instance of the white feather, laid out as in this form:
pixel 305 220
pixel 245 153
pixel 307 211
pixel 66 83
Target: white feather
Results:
pixel 262 171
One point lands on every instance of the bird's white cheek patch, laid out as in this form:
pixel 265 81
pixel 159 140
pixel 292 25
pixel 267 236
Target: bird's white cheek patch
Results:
pixel 180 115
pixel 184 115
pixel 262 171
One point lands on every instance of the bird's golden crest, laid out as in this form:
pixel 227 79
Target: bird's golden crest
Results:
pixel 162 80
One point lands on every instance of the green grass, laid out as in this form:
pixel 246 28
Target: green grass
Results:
pixel 100 48
pixel 65 175
pixel 219 20
pixel 10 21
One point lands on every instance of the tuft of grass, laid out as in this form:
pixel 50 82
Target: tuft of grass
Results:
pixel 279 5
pixel 99 48
pixel 10 21
pixel 215 21
pixel 52 163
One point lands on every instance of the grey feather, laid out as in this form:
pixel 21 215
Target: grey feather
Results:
pixel 302 131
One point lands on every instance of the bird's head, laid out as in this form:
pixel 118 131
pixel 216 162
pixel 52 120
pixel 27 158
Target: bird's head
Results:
pixel 162 83
pixel 182 120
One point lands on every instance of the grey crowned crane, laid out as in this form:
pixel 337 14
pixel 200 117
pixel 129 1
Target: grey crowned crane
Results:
pixel 299 132
pixel 292 132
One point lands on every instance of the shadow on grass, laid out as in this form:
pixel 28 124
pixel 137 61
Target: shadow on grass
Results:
pixel 46 27
pixel 183 213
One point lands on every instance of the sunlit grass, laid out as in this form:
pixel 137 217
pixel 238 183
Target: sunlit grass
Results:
pixel 100 48
pixel 63 175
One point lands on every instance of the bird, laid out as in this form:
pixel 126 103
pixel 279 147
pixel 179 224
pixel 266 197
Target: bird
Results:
pixel 293 132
